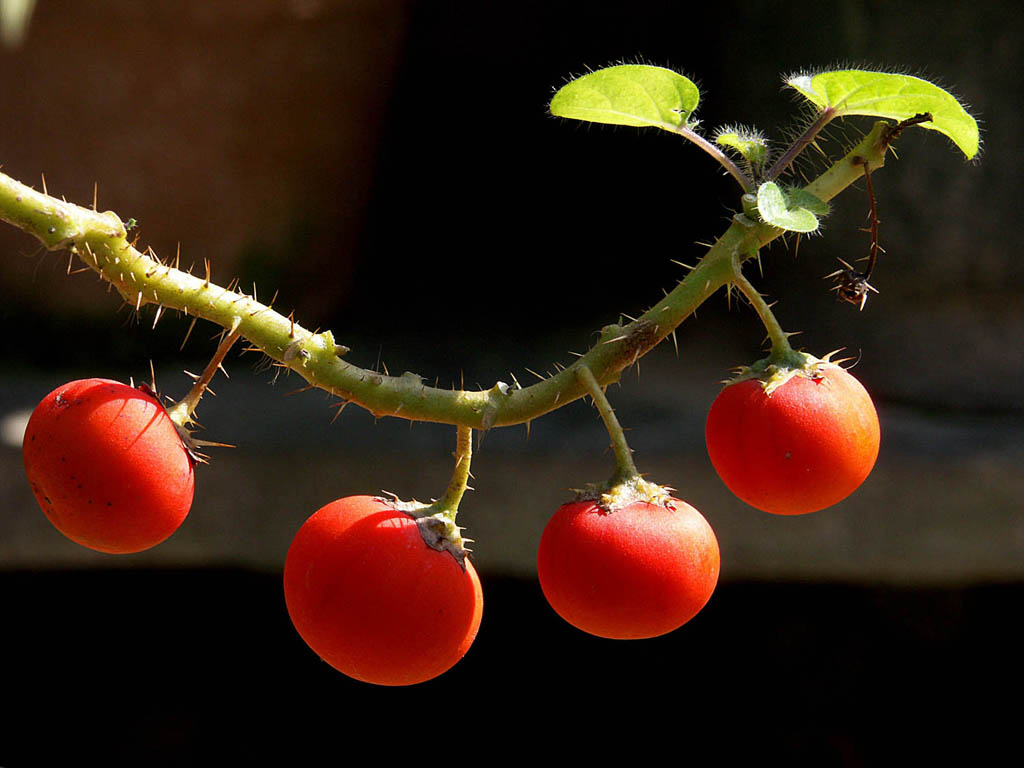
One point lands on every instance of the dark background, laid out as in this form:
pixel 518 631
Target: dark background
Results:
pixel 390 169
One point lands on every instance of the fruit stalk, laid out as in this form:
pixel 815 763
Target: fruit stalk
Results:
pixel 625 467
pixel 457 486
pixel 781 351
pixel 436 521
pixel 182 411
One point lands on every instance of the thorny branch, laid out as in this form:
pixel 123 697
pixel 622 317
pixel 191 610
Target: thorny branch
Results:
pixel 100 241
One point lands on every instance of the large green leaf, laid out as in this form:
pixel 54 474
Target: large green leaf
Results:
pixel 628 94
pixel 896 97
pixel 793 215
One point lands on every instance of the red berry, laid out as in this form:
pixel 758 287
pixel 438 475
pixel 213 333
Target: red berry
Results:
pixel 107 466
pixel 806 446
pixel 373 600
pixel 639 571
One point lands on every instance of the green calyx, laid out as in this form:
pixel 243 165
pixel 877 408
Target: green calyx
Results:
pixel 436 525
pixel 776 369
pixel 620 493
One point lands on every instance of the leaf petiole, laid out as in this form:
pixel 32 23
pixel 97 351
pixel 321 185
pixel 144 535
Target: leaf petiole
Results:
pixel 723 159
pixel 801 143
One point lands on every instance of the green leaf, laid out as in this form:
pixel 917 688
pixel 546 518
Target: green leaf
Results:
pixel 896 97
pixel 628 94
pixel 800 198
pixel 779 211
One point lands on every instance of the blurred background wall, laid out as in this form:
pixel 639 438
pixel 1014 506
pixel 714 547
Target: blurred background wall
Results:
pixel 390 170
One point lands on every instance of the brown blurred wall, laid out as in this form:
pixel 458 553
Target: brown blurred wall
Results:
pixel 215 123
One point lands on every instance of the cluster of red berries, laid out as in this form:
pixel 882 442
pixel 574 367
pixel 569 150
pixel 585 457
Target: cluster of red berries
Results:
pixel 112 472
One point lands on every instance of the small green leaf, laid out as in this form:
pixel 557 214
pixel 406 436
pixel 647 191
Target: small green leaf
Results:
pixel 800 198
pixel 896 97
pixel 750 144
pixel 628 94
pixel 779 211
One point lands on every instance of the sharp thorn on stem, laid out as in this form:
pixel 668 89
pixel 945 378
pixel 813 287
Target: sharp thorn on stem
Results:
pixel 338 409
pixel 300 390
pixel 188 333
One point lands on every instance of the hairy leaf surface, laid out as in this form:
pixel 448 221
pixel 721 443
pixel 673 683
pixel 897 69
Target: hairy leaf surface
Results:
pixel 891 96
pixel 628 94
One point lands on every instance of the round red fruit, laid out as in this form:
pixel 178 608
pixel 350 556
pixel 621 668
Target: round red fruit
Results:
pixel 805 446
pixel 373 600
pixel 639 571
pixel 107 466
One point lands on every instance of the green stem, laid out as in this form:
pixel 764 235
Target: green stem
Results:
pixel 625 468
pixel 449 503
pixel 801 143
pixel 182 411
pixel 100 241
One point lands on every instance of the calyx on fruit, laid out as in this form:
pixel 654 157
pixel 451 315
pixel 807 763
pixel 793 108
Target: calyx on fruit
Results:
pixel 774 371
pixel 436 526
pixel 620 493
